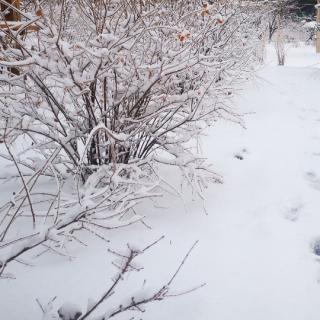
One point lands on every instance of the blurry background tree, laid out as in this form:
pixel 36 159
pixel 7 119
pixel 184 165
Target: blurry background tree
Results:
pixel 280 10
pixel 305 7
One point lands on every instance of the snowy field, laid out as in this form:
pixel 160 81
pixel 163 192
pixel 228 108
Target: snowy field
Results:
pixel 255 242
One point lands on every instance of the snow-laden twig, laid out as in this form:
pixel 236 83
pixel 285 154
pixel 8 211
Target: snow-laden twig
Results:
pixel 136 303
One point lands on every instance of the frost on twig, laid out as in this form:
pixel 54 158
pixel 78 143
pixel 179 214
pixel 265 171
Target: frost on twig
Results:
pixel 136 303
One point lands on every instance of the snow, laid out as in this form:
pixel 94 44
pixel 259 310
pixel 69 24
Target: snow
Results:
pixel 310 25
pixel 69 311
pixel 256 243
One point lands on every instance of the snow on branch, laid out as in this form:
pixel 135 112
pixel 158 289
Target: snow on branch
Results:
pixel 135 304
pixel 102 96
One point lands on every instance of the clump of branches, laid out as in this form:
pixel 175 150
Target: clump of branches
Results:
pixel 98 94
pixel 125 263
pixel 280 12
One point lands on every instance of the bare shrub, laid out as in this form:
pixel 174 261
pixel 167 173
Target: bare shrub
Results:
pixel 106 92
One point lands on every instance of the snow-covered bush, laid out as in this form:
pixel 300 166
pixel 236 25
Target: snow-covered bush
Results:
pixel 309 28
pixel 106 91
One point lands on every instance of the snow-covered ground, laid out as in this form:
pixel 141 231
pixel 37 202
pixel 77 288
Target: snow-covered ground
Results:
pixel 255 242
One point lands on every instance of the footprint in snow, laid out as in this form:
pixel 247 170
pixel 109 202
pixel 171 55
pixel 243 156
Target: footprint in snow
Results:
pixel 315 246
pixel 241 155
pixel 313 179
pixel 315 250
pixel 293 213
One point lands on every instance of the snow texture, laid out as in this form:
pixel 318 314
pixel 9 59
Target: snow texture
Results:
pixel 69 311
